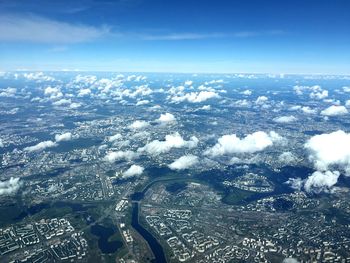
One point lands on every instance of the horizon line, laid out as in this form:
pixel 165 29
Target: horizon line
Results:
pixel 175 72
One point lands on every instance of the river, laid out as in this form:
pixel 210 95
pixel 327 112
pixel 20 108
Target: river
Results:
pixel 156 248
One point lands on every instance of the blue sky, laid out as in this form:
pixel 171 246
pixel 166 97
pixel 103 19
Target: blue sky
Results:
pixel 262 36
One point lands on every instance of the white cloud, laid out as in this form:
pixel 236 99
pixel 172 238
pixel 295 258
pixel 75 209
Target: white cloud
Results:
pixel 53 92
pixel 294 108
pixel 184 162
pixel 89 79
pixel 19 28
pixel 195 97
pixel 334 111
pixel 115 137
pixel 206 107
pixel 347 103
pixel 8 92
pixel 138 125
pixel 167 117
pixel 316 91
pixel 321 181
pixel 38 76
pixel 255 142
pixel 298 90
pixel 62 102
pixel 63 137
pixel 10 186
pixel 308 110
pixel 346 89
pixel 134 170
pixel 319 94
pixel 142 102
pixel 242 103
pixel 120 155
pixel 247 92
pixel 326 151
pixel 285 119
pixel 171 141
pixel 75 105
pixel 330 149
pixel 295 183
pixel 261 100
pixel 188 83
pixel 84 92
pixel 41 146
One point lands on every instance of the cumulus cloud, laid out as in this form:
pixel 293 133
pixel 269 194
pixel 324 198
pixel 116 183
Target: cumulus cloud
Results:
pixel 133 171
pixel 329 153
pixel 206 107
pixel 84 92
pixel 330 149
pixel 136 125
pixel 316 91
pixel 75 105
pixel 242 103
pixel 10 186
pixel 285 119
pixel 50 91
pixel 321 181
pixel 8 92
pixel 319 94
pixel 334 111
pixel 41 146
pixel 142 102
pixel 120 155
pixel 261 100
pixel 63 137
pixel 308 110
pixel 62 102
pixel 171 141
pixel 115 137
pixel 346 89
pixel 195 97
pixel 295 183
pixel 188 83
pixel 38 76
pixel 247 92
pixel 298 90
pixel 166 118
pixel 255 142
pixel 184 162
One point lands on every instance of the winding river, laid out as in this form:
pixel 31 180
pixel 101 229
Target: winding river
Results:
pixel 153 243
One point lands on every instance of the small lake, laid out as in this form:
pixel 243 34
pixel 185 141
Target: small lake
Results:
pixel 104 233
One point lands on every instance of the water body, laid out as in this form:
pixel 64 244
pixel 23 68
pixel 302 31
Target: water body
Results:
pixel 104 233
pixel 151 240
